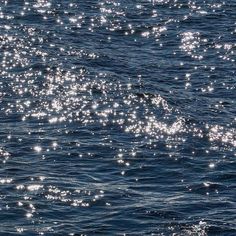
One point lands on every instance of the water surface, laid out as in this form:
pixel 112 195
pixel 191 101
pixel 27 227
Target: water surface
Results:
pixel 117 117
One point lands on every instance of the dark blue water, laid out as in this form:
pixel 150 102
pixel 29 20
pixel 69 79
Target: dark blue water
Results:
pixel 118 117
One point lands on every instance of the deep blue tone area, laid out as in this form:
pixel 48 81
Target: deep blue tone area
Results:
pixel 118 117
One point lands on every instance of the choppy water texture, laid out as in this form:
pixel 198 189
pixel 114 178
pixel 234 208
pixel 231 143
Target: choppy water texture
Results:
pixel 117 117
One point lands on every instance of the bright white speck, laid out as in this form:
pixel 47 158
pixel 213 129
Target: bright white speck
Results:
pixel 29 215
pixel 38 148
pixel 34 187
pixel 20 187
pixel 20 230
pixel 5 181
pixel 211 165
pixel 54 144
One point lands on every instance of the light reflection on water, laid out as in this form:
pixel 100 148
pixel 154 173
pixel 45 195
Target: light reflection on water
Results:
pixel 117 117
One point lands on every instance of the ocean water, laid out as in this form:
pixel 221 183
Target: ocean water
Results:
pixel 117 117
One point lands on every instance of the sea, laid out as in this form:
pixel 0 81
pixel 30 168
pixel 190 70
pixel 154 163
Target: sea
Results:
pixel 118 117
